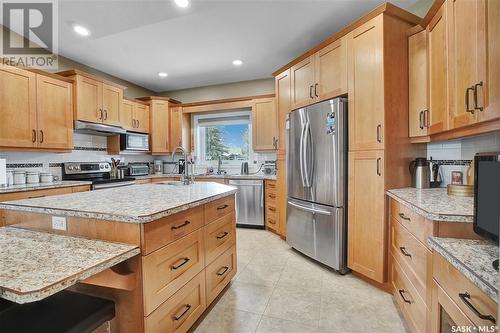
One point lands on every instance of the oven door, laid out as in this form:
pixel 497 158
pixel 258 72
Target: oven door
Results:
pixel 135 142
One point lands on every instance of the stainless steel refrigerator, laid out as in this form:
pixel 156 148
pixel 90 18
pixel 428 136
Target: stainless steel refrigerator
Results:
pixel 317 181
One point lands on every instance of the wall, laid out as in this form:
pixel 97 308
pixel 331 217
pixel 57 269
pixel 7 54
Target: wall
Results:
pixel 456 155
pixel 420 8
pixel 222 91
pixel 132 90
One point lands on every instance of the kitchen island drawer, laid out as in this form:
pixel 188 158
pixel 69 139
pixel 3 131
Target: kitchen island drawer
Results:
pixel 169 268
pixel 219 236
pixel 414 257
pixel 168 229
pixel 410 303
pixel 180 311
pixel 415 223
pixel 216 209
pixel 466 295
pixel 219 273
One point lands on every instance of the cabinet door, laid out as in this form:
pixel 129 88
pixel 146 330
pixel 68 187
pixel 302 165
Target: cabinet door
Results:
pixel 489 92
pixel 112 98
pixel 127 115
pixel 466 31
pixel 264 124
pixel 159 127
pixel 283 99
pixel 417 85
pixel 367 226
pixel 17 108
pixel 54 101
pixel 175 127
pixel 366 87
pixel 141 116
pixel 88 99
pixel 438 72
pixel 331 70
pixel 302 75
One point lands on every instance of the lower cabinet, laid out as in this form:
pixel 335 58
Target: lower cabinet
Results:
pixel 219 273
pixel 271 211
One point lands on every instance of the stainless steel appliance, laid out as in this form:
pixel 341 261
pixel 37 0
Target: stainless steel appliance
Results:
pixel 317 182
pixel 134 142
pixel 137 169
pixel 249 202
pixel 419 169
pixel 436 176
pixel 269 168
pixel 97 129
pixel 244 168
pixel 98 173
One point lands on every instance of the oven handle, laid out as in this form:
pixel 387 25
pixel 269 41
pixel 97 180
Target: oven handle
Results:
pixel 111 185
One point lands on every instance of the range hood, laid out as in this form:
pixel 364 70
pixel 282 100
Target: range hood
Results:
pixel 97 129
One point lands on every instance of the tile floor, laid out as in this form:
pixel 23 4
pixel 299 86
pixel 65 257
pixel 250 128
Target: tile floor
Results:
pixel 280 291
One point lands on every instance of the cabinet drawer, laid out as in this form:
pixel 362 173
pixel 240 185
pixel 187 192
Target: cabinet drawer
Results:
pixel 416 224
pixel 143 181
pixel 81 188
pixel 272 223
pixel 181 310
pixel 271 212
pixel 271 196
pixel 270 185
pixel 218 208
pixel 35 193
pixel 408 300
pixel 219 236
pixel 169 268
pixel 455 284
pixel 220 272
pixel 164 231
pixel 414 258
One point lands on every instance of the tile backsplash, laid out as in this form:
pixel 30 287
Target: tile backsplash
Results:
pixel 456 155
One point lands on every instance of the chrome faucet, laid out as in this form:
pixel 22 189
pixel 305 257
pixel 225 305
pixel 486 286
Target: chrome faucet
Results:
pixel 185 179
pixel 219 166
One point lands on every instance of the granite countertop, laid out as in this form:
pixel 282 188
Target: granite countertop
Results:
pixel 35 265
pixel 435 204
pixel 133 204
pixel 42 186
pixel 473 258
pixel 225 176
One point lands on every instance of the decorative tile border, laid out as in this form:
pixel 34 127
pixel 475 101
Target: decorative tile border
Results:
pixel 55 165
pixel 90 148
pixel 24 165
pixel 453 162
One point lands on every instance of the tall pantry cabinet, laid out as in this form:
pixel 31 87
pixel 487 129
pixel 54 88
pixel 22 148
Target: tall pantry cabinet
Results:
pixel 379 147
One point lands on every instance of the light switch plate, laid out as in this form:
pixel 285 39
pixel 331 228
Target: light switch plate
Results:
pixel 58 223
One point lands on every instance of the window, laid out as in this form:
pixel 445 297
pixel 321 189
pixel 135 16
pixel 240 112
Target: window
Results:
pixel 225 135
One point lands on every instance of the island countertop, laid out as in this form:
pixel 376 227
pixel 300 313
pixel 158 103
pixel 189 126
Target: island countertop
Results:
pixel 473 258
pixel 35 265
pixel 435 204
pixel 132 204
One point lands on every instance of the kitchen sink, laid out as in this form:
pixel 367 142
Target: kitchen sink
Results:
pixel 171 183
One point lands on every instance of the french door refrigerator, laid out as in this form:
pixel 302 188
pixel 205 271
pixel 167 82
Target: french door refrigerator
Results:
pixel 317 181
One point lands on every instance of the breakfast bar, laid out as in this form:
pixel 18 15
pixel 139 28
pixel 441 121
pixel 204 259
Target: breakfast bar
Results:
pixel 185 235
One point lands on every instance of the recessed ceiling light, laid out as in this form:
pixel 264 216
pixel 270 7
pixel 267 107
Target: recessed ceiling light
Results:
pixel 81 30
pixel 162 74
pixel 182 3
pixel 237 62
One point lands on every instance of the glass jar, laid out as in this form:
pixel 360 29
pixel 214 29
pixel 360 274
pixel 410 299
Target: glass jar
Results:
pixel 46 177
pixel 32 177
pixel 19 177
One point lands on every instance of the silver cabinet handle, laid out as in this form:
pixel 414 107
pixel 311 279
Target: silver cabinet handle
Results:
pixel 467 94
pixel 480 108
pixel 33 136
pixel 379 173
pixel 41 136
pixel 316 90
pixel 311 91
pixel 421 120
pixel 426 118
pixel 379 135
pixel 308 209
pixel 99 114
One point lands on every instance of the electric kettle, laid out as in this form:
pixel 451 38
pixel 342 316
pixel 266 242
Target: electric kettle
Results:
pixel 419 170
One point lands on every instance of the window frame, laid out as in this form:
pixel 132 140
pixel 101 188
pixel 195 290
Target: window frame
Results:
pixel 199 147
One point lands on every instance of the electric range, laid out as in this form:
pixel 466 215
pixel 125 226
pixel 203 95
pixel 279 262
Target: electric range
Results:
pixel 99 173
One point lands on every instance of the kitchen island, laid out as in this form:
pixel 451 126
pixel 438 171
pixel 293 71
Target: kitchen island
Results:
pixel 186 235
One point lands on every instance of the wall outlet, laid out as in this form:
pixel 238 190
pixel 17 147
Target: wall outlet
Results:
pixel 58 223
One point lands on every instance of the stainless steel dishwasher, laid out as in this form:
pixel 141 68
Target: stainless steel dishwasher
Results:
pixel 249 202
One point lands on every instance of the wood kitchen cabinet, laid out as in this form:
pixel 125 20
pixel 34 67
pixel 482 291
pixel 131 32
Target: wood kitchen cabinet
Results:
pixel 283 98
pixel 54 105
pixel 417 84
pixel 96 100
pixel 135 116
pixel 141 116
pixel 35 110
pixel 438 72
pixel 366 227
pixel 272 221
pixel 321 76
pixel 127 115
pixel 264 127
pixel 176 127
pixel 366 88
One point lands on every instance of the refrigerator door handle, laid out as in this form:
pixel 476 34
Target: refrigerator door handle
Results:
pixel 301 153
pixel 309 152
pixel 309 209
pixel 307 133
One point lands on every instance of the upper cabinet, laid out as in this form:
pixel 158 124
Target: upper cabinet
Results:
pixel 175 127
pixel 366 86
pixel 283 98
pixel 96 100
pixel 264 125
pixel 134 116
pixel 35 110
pixel 321 76
pixel 417 84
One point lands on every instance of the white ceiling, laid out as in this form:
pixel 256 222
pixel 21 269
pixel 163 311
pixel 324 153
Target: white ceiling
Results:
pixel 134 39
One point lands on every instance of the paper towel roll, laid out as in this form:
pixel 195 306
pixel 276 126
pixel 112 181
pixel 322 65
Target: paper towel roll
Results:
pixel 3 172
